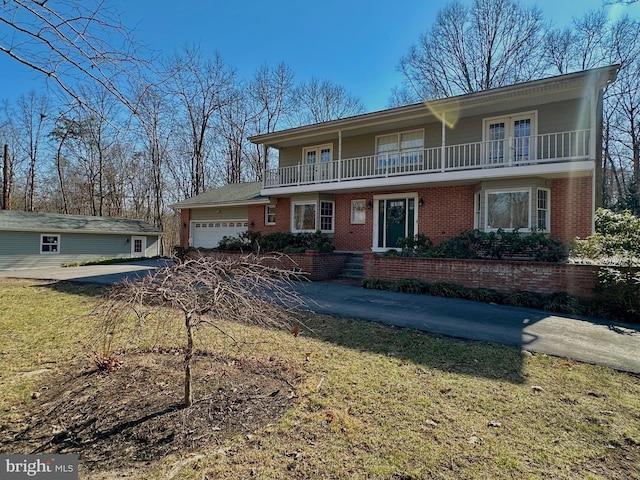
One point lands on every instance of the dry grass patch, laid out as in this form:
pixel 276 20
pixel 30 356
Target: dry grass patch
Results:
pixel 370 402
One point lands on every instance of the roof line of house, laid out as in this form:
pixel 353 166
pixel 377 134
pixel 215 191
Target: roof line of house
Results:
pixel 601 76
pixel 184 204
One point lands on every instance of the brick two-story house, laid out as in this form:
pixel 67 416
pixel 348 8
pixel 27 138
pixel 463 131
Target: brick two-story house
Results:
pixel 520 157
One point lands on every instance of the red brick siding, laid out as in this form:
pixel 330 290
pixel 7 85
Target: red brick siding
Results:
pixel 283 217
pixel 503 276
pixel 571 208
pixel 318 266
pixel 446 212
pixel 347 236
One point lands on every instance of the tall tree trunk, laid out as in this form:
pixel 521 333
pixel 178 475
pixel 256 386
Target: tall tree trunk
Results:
pixel 5 179
pixel 188 355
pixel 65 207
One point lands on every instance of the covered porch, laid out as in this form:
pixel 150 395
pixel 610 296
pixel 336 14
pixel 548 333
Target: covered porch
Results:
pixel 523 151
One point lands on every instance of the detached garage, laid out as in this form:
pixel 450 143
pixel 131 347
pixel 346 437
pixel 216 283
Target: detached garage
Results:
pixel 35 240
pixel 209 217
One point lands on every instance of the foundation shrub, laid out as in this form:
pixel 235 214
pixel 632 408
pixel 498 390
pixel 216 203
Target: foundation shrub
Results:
pixel 377 284
pixel 233 243
pixel 619 289
pixel 486 295
pixel 520 298
pixel 616 241
pixel 624 306
pixel 449 290
pixel 410 285
pixel 475 244
pixel 278 242
pixel 418 246
pixel 562 302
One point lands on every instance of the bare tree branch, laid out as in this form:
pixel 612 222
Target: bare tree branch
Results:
pixel 77 41
pixel 207 291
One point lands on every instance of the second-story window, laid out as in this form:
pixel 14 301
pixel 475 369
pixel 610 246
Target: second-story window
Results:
pixel 510 138
pixel 399 149
pixel 317 166
pixel 318 154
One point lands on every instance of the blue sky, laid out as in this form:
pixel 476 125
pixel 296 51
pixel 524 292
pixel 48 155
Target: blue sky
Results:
pixel 353 43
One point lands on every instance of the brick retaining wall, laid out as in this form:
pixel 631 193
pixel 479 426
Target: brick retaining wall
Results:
pixel 318 266
pixel 503 276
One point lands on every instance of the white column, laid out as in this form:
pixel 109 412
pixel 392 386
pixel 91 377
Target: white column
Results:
pixel 339 155
pixel 266 165
pixel 444 141
pixel 593 124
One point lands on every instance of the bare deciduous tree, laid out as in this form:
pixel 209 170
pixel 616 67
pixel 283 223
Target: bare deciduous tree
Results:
pixel 321 101
pixel 34 110
pixel 70 42
pixel 491 43
pixel 155 118
pixel 271 95
pixel 595 40
pixel 205 291
pixel 202 87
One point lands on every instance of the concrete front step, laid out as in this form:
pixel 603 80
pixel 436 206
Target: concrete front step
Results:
pixel 353 269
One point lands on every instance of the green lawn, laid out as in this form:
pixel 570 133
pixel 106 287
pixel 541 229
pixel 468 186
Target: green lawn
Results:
pixel 371 401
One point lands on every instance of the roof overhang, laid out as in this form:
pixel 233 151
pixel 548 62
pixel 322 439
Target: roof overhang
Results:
pixel 239 203
pixel 448 110
pixel 46 230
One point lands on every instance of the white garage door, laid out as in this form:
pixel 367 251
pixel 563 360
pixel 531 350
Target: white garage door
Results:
pixel 208 234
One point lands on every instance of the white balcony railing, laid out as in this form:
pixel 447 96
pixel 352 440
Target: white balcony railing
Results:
pixel 512 152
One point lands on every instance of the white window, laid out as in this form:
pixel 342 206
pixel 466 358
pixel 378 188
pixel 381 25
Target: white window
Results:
pixel 543 209
pixel 510 139
pixel 269 215
pixel 317 154
pixel 523 209
pixel 358 211
pixel 317 166
pixel 49 243
pixel 137 245
pixel 508 210
pixel 400 149
pixel 477 218
pixel 326 216
pixel 305 218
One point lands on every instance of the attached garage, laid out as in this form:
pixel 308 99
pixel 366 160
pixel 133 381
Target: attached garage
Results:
pixel 222 212
pixel 207 234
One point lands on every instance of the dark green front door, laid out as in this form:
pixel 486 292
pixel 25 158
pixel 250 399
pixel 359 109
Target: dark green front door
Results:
pixel 396 221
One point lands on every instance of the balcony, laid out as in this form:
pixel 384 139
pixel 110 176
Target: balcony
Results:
pixel 495 154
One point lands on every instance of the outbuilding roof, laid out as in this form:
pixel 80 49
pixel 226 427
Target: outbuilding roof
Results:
pixel 56 222
pixel 232 194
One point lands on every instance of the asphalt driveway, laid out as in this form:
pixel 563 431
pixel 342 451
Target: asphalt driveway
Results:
pixel 597 341
pixel 590 340
pixel 98 274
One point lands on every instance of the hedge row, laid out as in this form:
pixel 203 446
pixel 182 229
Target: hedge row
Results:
pixel 616 302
